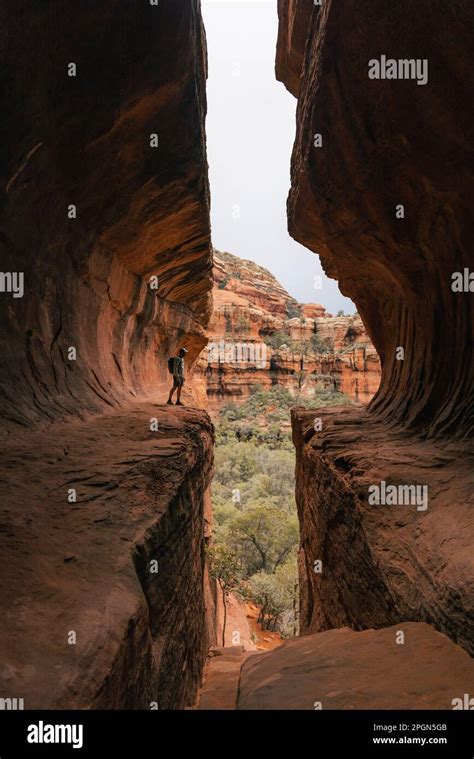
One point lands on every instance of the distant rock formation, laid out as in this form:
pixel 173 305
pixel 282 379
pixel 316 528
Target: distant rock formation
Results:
pixel 282 342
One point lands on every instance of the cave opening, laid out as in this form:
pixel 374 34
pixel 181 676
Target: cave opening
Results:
pixel 316 350
pixel 119 575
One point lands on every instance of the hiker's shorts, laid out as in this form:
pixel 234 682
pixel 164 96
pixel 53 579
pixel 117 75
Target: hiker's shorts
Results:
pixel 178 382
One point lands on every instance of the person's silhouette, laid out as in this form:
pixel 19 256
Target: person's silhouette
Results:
pixel 178 377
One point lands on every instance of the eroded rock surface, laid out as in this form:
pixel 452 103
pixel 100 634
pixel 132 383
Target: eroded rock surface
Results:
pixel 221 679
pixel 382 564
pixel 104 188
pixel 85 567
pixel 343 669
pixel 382 198
pixel 141 211
pixel 387 143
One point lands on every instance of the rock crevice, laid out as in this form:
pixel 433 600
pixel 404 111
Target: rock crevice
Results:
pixel 109 611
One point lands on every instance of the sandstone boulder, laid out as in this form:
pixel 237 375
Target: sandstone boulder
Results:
pixel 343 669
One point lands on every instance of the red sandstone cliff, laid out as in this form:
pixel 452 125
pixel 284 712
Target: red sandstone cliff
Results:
pixel 302 347
pixel 141 211
pixel 89 503
pixel 365 563
pixel 386 143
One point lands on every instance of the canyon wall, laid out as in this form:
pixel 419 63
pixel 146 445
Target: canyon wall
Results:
pixel 103 179
pixel 296 345
pixel 382 196
pixel 387 143
pixel 91 209
pixel 382 563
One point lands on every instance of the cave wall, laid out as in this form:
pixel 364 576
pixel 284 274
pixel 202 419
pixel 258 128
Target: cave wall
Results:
pixel 140 474
pixel 385 143
pixel 141 211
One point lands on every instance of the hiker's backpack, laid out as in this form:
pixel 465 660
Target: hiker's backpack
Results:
pixel 171 364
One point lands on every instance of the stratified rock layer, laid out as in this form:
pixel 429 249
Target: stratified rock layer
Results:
pixel 298 346
pixel 103 189
pixel 343 669
pixel 141 210
pixel 387 143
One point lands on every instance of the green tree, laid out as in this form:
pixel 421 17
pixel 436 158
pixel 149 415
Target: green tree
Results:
pixel 258 531
pixel 262 536
pixel 225 569
pixel 277 597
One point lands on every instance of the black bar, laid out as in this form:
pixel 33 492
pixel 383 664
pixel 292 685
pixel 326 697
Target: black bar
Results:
pixel 313 733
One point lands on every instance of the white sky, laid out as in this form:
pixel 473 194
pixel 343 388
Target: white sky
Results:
pixel 250 133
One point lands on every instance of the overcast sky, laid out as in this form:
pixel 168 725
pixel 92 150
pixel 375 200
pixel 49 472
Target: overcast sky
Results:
pixel 250 133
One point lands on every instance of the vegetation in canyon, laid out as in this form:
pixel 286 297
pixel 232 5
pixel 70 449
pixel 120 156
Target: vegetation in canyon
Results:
pixel 256 524
pixel 283 340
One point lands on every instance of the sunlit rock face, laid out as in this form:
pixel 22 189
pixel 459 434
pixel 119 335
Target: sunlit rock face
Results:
pixel 89 140
pixel 381 177
pixel 251 308
pixel 388 143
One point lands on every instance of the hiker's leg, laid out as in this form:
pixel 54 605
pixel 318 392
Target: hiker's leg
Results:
pixel 178 397
pixel 172 391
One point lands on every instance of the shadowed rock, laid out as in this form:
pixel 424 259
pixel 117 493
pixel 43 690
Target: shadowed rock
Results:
pixel 386 144
pixel 89 211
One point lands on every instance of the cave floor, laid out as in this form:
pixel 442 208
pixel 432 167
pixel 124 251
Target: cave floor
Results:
pixel 342 669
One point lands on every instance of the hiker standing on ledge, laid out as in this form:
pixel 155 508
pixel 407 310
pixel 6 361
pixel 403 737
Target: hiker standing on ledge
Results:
pixel 178 376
